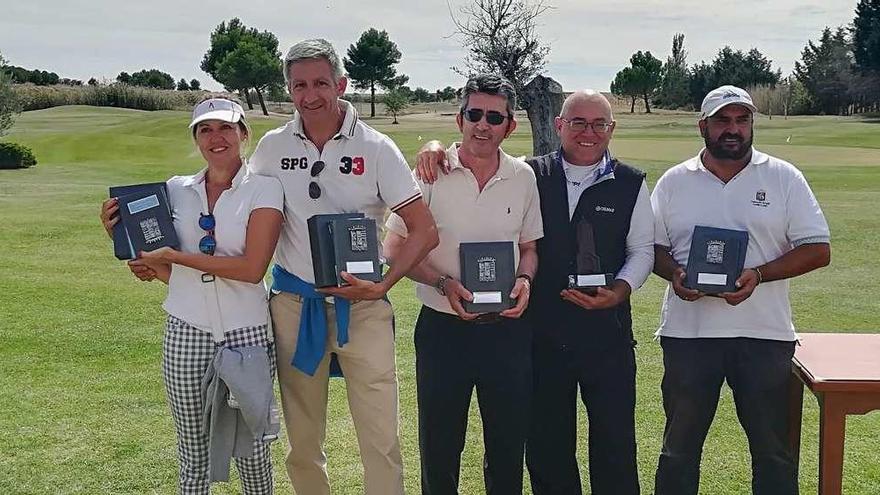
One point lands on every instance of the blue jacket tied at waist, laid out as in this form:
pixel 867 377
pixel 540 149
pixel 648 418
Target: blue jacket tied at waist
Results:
pixel 312 339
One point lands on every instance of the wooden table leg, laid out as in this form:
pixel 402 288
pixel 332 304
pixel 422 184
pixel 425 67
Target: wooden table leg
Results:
pixel 795 412
pixel 832 429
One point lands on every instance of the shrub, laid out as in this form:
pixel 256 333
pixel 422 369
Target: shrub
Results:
pixel 13 155
pixel 113 95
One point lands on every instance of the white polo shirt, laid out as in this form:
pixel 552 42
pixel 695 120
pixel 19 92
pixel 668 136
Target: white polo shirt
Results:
pixel 364 172
pixel 507 209
pixel 241 304
pixel 771 200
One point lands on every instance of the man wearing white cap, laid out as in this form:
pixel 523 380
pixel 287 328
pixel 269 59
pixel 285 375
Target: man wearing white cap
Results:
pixel 329 161
pixel 745 337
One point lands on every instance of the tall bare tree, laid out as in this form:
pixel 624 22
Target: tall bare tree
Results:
pixel 501 37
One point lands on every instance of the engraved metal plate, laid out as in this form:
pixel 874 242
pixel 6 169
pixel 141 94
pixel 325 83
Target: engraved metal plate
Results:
pixel 715 252
pixel 486 269
pixel 358 235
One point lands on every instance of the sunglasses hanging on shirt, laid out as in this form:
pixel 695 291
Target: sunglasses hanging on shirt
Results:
pixel 314 188
pixel 208 244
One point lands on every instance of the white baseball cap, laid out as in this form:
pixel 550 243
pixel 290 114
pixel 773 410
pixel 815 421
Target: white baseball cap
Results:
pixel 719 98
pixel 217 109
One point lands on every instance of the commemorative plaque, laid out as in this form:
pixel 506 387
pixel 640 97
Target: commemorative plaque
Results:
pixel 122 246
pixel 716 259
pixel 145 217
pixel 487 271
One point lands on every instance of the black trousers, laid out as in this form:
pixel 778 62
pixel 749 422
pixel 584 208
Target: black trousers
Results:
pixel 608 390
pixel 757 372
pixel 452 358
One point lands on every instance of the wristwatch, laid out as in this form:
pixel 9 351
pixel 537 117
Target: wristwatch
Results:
pixel 441 284
pixel 525 276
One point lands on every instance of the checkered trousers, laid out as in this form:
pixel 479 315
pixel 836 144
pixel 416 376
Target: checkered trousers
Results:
pixel 186 354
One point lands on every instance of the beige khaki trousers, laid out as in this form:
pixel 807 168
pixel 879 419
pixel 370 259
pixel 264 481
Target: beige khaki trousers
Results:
pixel 368 363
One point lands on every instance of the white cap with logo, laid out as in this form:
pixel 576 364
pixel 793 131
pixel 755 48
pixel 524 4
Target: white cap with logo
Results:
pixel 217 109
pixel 725 95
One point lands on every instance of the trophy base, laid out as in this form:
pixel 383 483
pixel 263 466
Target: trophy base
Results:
pixel 589 284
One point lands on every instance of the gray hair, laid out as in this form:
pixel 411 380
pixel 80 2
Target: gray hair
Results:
pixel 317 48
pixel 491 84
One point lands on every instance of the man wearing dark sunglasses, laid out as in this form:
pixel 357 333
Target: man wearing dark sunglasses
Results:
pixel 487 196
pixel 583 340
pixel 329 161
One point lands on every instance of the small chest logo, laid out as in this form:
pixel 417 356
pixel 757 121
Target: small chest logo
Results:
pixel 604 209
pixel 761 199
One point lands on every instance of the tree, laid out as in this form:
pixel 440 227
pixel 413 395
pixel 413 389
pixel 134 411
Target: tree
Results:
pixel 9 103
pixel 826 71
pixel 732 67
pixel 92 82
pixel 501 37
pixel 182 85
pixel 446 94
pixel 646 75
pixel 250 65
pixel 624 86
pixel 673 92
pixel 422 95
pixel 124 78
pixel 153 78
pixel 227 37
pixel 195 85
pixel 866 36
pixel 395 102
pixel 370 62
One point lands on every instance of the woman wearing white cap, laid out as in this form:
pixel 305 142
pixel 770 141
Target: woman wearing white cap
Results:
pixel 228 222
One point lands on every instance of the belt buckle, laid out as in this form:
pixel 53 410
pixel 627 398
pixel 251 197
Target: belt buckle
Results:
pixel 207 277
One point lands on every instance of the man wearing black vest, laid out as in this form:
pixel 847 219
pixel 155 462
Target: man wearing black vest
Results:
pixel 579 339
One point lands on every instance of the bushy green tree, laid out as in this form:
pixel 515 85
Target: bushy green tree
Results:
pixel 624 86
pixel 153 78
pixel 225 39
pixel 826 72
pixel 673 91
pixel 370 62
pixel 866 36
pixel 195 85
pixel 250 65
pixel 395 102
pixel 9 104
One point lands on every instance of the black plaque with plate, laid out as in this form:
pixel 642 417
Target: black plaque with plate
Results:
pixel 716 259
pixel 122 247
pixel 488 272
pixel 588 276
pixel 321 241
pixel 356 248
pixel 146 218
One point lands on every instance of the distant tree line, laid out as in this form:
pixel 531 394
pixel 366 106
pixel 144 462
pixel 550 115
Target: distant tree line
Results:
pixel 838 74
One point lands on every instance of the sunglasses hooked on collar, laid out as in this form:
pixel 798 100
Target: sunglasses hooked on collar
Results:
pixel 492 117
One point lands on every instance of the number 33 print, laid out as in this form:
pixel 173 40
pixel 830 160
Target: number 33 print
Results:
pixel 352 165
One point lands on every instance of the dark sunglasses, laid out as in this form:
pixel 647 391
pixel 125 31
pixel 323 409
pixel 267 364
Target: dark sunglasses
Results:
pixel 208 243
pixel 314 188
pixel 492 117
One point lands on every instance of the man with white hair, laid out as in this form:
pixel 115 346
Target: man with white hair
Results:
pixel 581 339
pixel 745 337
pixel 328 161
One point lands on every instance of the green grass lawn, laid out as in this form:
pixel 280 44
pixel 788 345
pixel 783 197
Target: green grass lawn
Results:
pixel 82 407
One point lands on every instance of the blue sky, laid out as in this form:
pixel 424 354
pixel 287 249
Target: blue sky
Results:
pixel 590 41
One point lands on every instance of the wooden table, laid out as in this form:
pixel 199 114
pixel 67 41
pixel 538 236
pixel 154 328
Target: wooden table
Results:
pixel 843 372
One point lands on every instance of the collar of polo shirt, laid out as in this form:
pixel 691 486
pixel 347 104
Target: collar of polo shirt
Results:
pixel 696 163
pixel 347 130
pixel 505 168
pixel 198 178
